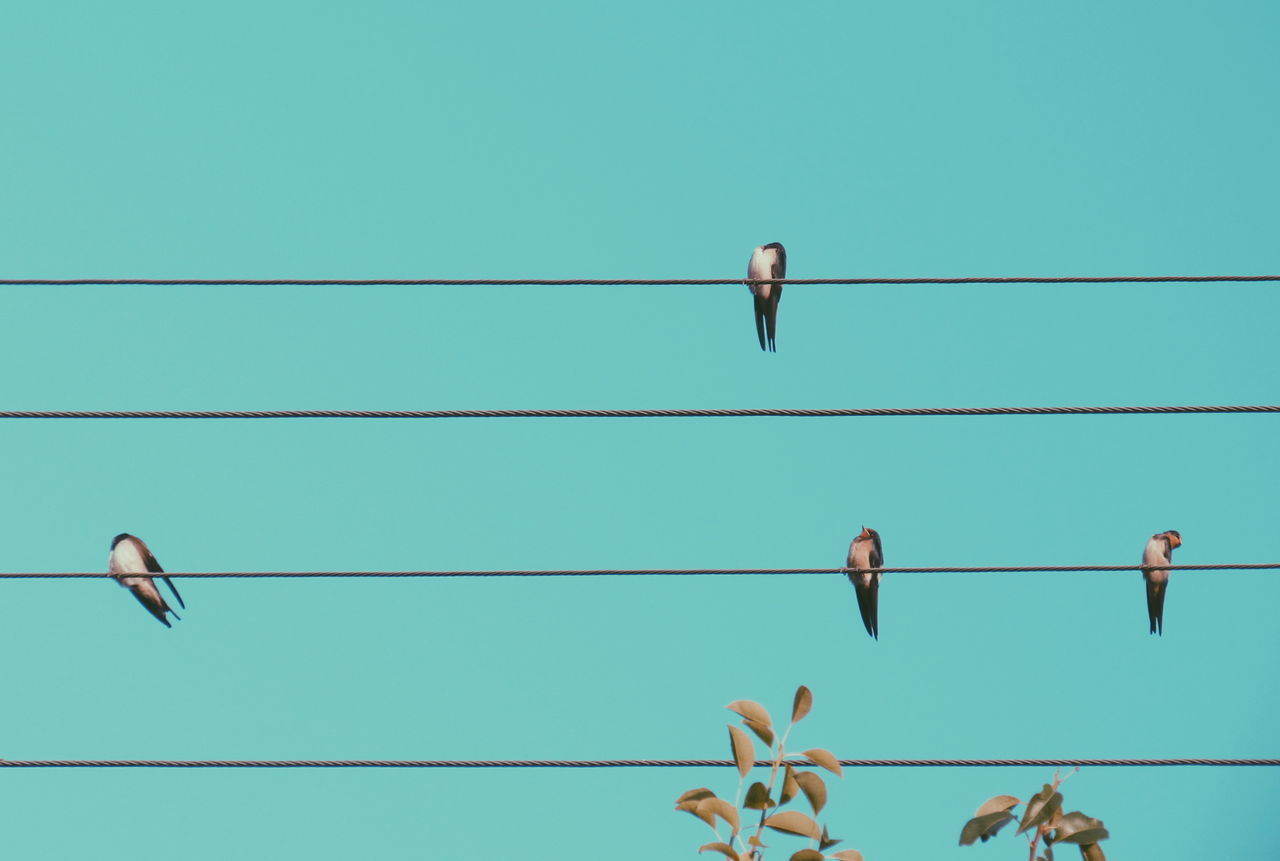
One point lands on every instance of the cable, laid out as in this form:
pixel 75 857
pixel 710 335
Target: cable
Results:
pixel 660 572
pixel 617 282
pixel 609 763
pixel 629 414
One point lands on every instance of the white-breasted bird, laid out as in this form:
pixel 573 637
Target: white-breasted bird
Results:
pixel 131 556
pixel 1159 551
pixel 865 552
pixel 767 261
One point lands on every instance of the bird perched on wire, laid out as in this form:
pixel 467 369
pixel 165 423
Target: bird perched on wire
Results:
pixel 767 262
pixel 865 552
pixel 1159 551
pixel 131 556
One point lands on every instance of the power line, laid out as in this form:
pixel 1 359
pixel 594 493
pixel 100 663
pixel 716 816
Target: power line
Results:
pixel 612 763
pixel 618 282
pixel 631 413
pixel 663 572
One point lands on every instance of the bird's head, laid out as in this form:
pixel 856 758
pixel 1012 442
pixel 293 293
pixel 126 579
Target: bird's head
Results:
pixel 1175 540
pixel 121 537
pixel 868 534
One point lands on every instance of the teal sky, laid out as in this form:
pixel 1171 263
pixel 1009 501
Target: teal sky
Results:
pixel 664 139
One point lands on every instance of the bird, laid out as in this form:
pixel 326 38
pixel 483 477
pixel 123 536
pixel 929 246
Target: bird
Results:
pixel 129 556
pixel 1159 551
pixel 865 552
pixel 767 262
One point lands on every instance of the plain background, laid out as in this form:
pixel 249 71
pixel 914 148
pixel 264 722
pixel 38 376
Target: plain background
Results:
pixel 663 139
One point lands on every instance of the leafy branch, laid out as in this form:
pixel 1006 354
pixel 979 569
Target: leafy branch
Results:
pixel 740 846
pixel 1043 819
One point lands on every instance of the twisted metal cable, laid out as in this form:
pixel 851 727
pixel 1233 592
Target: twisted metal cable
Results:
pixel 662 572
pixel 617 282
pixel 630 413
pixel 612 763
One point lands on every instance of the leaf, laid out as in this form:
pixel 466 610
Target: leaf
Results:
pixel 1092 852
pixel 723 809
pixel 1040 808
pixel 703 814
pixel 814 790
pixel 755 841
pixel 758 798
pixel 794 822
pixel 984 827
pixel 1077 828
pixel 808 855
pixel 848 855
pixel 826 759
pixel 825 842
pixel 751 711
pixel 803 702
pixel 762 730
pixel 790 789
pixel 997 803
pixel 722 848
pixel 696 795
pixel 744 752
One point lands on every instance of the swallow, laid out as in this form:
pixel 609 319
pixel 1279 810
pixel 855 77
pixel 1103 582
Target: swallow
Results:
pixel 1159 551
pixel 865 552
pixel 130 556
pixel 767 261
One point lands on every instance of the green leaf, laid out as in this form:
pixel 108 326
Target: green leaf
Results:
pixel 696 795
pixel 703 814
pixel 997 803
pixel 1041 808
pixel 1077 828
pixel 758 797
pixel 814 790
pixel 723 848
pixel 723 809
pixel 848 855
pixel 790 789
pixel 984 827
pixel 761 730
pixel 744 752
pixel 826 759
pixel 794 822
pixel 808 855
pixel 803 702
pixel 751 711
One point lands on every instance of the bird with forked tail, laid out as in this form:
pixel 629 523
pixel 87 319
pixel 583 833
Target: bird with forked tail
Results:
pixel 1159 551
pixel 865 553
pixel 767 262
pixel 130 556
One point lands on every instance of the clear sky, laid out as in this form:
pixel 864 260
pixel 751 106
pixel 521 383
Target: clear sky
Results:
pixel 644 140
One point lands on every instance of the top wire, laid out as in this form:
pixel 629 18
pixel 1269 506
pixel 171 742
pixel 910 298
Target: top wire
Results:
pixel 617 282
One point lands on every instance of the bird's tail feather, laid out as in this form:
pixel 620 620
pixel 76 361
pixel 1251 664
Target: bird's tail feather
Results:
pixel 1155 606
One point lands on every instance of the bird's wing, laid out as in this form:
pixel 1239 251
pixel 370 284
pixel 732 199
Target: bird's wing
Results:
pixel 868 601
pixel 877 556
pixel 771 314
pixel 154 567
pixel 174 590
